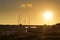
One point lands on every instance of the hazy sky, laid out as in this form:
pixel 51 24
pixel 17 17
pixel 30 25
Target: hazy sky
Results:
pixel 10 10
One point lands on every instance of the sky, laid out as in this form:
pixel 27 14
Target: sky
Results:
pixel 30 11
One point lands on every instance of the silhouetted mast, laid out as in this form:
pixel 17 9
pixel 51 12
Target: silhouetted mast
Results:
pixel 27 4
pixel 29 19
pixel 19 19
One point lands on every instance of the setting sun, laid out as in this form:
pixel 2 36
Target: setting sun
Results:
pixel 48 15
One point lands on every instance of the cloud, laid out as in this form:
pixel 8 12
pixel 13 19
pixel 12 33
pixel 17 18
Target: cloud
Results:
pixel 26 5
pixel 29 5
pixel 23 5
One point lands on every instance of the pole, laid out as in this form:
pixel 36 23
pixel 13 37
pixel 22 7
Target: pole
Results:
pixel 48 21
pixel 19 19
pixel 29 20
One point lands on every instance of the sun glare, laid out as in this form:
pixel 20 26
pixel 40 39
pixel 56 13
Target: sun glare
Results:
pixel 48 15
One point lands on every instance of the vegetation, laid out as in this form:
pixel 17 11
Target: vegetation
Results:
pixel 18 32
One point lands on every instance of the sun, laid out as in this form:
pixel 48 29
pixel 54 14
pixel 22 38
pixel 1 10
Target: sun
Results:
pixel 48 15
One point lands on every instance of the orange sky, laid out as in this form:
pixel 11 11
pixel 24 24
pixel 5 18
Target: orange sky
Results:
pixel 10 10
